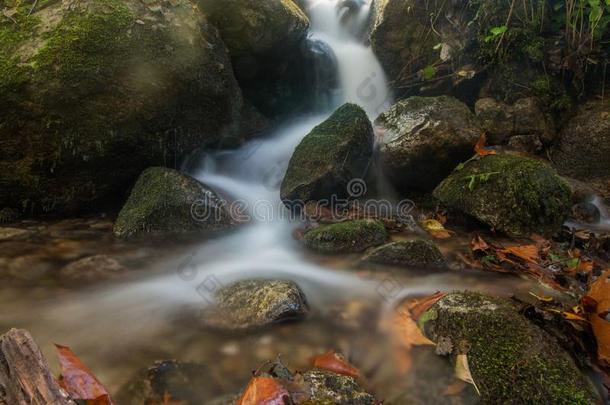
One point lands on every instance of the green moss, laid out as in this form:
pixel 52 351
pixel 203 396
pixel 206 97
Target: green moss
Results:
pixel 333 153
pixel 345 237
pixel 13 74
pixel 513 194
pixel 511 360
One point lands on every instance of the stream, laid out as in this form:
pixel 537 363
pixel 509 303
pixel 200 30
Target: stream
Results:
pixel 119 328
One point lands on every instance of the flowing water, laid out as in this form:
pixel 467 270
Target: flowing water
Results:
pixel 120 328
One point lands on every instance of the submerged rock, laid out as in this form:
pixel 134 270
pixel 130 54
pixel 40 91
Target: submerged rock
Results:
pixel 512 194
pixel 257 26
pixel 94 91
pixel 422 139
pixel 346 237
pixel 182 382
pixel 583 146
pixel 165 201
pixel 91 269
pixel 412 253
pixel 333 153
pixel 511 359
pixel 250 304
pixel 330 388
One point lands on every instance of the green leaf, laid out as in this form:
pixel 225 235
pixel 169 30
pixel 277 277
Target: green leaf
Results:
pixel 495 31
pixel 429 72
pixel 440 45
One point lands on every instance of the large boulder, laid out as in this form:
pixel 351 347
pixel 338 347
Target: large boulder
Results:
pixel 167 202
pixel 256 27
pixel 502 122
pixel 94 91
pixel 583 146
pixel 511 359
pixel 346 237
pixel 513 194
pixel 253 304
pixel 328 158
pixel 421 140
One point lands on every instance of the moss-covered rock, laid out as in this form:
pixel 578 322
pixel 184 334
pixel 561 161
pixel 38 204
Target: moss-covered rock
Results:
pixel 252 304
pixel 346 237
pixel 333 153
pixel 180 381
pixel 94 92
pixel 412 253
pixel 511 359
pixel 583 147
pixel 254 27
pixel 513 194
pixel 423 138
pixel 167 202
pixel 330 388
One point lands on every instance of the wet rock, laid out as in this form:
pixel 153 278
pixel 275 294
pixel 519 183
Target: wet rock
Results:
pixel 422 139
pixel 583 146
pixel 328 158
pixel 514 195
pixel 165 201
pixel 331 388
pixel 230 399
pixel 412 253
pixel 98 111
pixel 91 269
pixel 182 382
pixel 501 121
pixel 346 237
pixel 251 304
pixel 254 27
pixel 511 359
pixel 525 143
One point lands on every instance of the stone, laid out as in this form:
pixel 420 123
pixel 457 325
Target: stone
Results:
pixel 346 237
pixel 412 253
pixel 91 269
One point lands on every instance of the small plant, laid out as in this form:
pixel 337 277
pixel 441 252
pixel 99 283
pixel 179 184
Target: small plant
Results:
pixel 496 33
pixel 481 178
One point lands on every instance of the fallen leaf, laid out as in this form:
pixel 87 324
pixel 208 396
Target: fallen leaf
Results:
pixel 570 316
pixel 335 363
pixel 167 400
pixel 541 297
pixel 481 149
pixel 264 391
pixel 462 371
pixel 599 291
pixel 420 305
pixel 436 229
pixel 528 253
pixel 78 380
pixel 478 244
pixel 454 389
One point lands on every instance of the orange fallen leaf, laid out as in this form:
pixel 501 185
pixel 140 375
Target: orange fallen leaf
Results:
pixel 335 363
pixel 599 291
pixel 528 253
pixel 481 149
pixel 264 391
pixel 478 244
pixel 436 229
pixel 167 400
pixel 418 306
pixel 78 380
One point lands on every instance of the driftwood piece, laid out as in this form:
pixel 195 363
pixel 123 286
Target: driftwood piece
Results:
pixel 25 378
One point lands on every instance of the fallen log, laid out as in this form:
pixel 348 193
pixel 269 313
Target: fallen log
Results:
pixel 25 378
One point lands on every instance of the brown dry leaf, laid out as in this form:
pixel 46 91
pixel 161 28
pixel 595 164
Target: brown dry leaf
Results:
pixel 436 229
pixel 78 380
pixel 455 389
pixel 481 149
pixel 335 363
pixel 462 371
pixel 167 400
pixel 599 291
pixel 478 244
pixel 418 306
pixel 528 253
pixel 264 390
